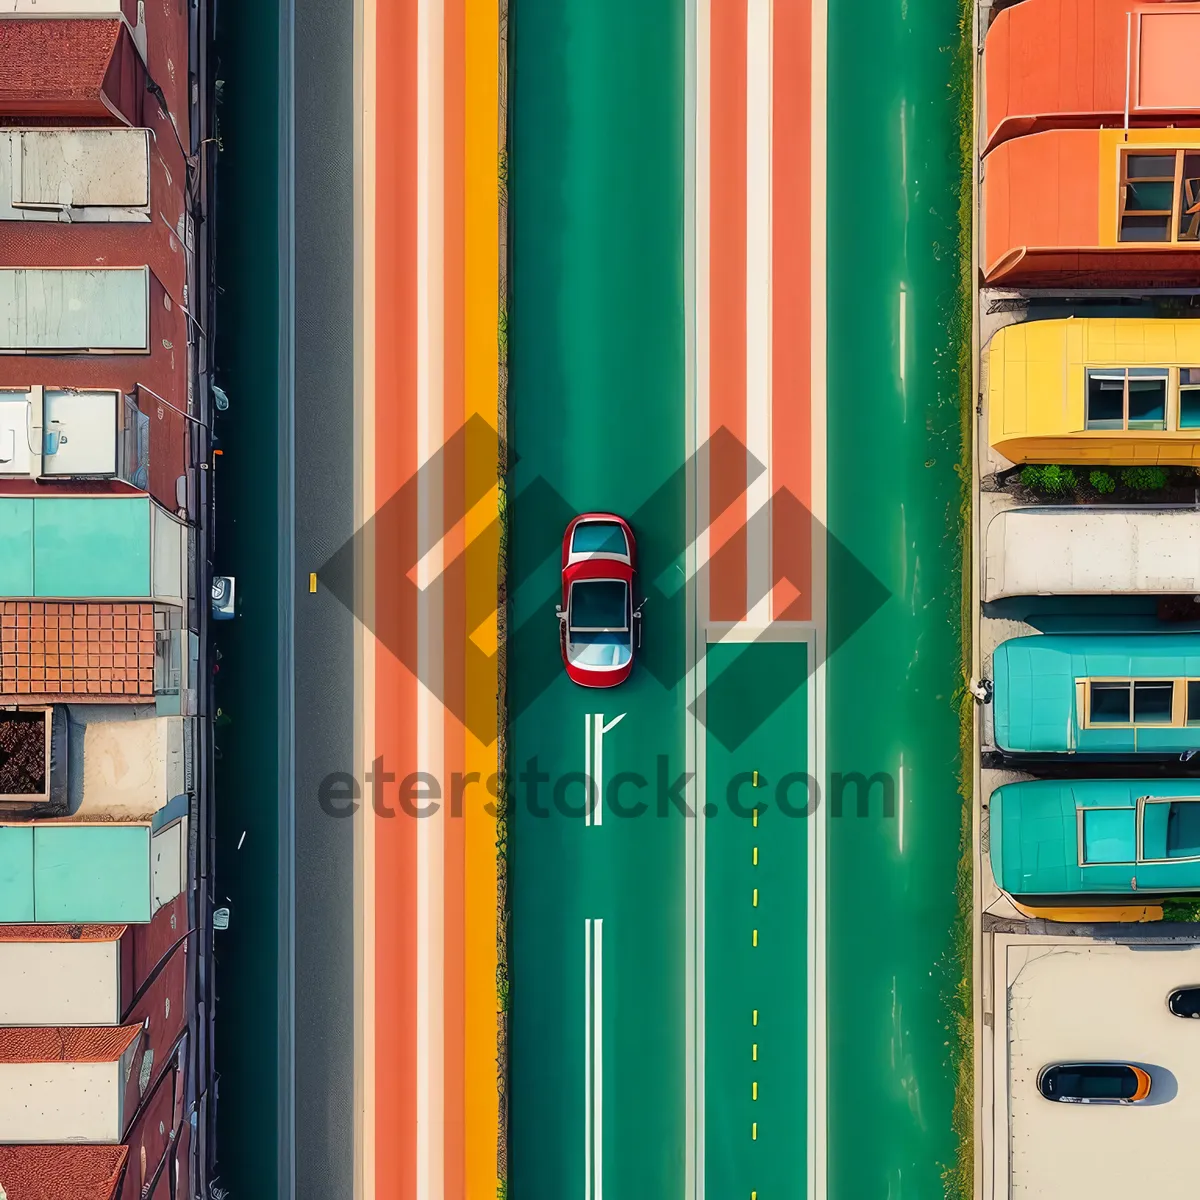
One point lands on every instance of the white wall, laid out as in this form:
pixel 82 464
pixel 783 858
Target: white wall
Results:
pixel 60 983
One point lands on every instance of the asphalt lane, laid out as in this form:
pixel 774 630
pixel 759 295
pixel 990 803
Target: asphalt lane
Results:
pixel 596 413
pixel 756 929
pixel 894 496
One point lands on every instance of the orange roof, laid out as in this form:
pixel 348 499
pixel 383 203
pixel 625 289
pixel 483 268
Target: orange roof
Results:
pixel 66 1043
pixel 61 933
pixel 61 1172
pixel 1049 218
pixel 76 651
pixel 1062 63
pixel 1041 190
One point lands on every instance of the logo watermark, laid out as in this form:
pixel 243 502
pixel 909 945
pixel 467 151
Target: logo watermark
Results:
pixel 400 536
pixel 627 795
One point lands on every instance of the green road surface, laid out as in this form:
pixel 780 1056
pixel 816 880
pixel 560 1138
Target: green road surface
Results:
pixel 893 500
pixel 597 410
pixel 756 883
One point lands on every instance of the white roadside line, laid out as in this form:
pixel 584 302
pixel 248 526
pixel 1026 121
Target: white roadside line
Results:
pixel 430 1155
pixel 365 43
pixel 593 1058
pixel 818 1001
pixel 697 230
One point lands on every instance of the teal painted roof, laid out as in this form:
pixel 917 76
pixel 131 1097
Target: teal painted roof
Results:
pixel 1035 830
pixel 68 546
pixel 1034 690
pixel 91 874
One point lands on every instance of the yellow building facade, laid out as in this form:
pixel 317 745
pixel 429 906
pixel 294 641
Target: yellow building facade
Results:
pixel 1092 391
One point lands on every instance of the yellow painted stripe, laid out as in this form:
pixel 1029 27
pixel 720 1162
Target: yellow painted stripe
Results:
pixel 481 383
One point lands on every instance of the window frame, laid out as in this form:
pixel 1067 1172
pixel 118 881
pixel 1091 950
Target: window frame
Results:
pixel 1142 802
pixel 1124 183
pixel 1180 388
pixel 1081 811
pixel 1178 719
pixel 1139 810
pixel 1170 392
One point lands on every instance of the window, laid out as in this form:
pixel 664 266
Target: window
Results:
pixel 1193 702
pixel 1127 398
pixel 1168 828
pixel 1189 397
pixel 167 652
pixel 1131 702
pixel 1159 196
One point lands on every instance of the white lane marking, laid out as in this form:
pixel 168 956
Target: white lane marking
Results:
pixel 590 799
pixel 598 1051
pixel 903 332
pixel 697 168
pixel 593 1058
pixel 900 801
pixel 594 730
pixel 758 304
pixel 587 1058
pixel 818 1148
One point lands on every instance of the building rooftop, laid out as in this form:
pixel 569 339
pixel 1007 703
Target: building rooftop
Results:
pixel 61 933
pixel 87 69
pixel 66 1043
pixel 61 1172
pixel 75 650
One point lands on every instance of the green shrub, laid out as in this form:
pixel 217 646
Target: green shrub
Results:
pixel 1144 479
pixel 1054 481
pixel 1181 909
pixel 1103 482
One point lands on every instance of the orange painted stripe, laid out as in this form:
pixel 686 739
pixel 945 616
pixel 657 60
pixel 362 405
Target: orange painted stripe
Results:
pixel 727 275
pixel 481 300
pixel 454 636
pixel 791 354
pixel 395 696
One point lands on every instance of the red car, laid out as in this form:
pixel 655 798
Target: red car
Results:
pixel 598 622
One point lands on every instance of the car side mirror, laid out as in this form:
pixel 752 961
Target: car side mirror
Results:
pixel 560 612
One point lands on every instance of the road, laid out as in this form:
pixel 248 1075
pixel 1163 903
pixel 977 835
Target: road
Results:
pixel 597 411
pixel 893 442
pixel 285 503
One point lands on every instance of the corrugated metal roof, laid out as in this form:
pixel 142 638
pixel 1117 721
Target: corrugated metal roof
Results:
pixel 61 1172
pixel 76 650
pixel 66 1043
pixel 61 933
pixel 56 66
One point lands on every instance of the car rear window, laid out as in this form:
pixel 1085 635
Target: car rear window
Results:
pixel 598 537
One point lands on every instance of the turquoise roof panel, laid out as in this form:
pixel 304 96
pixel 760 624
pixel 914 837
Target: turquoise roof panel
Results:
pixel 1034 836
pixel 16 546
pixel 16 874
pixel 1034 698
pixel 91 546
pixel 92 873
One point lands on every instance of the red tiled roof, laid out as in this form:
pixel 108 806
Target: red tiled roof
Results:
pixel 61 1172
pixel 66 1043
pixel 61 933
pixel 86 650
pixel 56 66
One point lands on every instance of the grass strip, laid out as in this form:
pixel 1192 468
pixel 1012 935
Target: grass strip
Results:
pixel 959 1178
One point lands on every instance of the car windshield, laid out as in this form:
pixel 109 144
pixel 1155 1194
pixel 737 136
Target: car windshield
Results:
pixel 1092 1081
pixel 599 537
pixel 599 607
